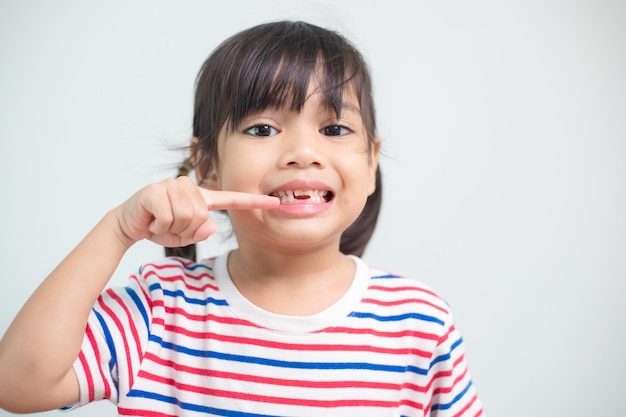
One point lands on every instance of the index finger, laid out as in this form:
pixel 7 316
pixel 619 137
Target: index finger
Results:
pixel 234 200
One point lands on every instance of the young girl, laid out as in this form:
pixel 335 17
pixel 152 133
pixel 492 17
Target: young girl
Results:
pixel 292 322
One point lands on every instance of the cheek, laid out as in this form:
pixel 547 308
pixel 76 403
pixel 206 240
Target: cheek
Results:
pixel 243 172
pixel 360 174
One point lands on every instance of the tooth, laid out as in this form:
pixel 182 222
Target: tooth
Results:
pixel 315 196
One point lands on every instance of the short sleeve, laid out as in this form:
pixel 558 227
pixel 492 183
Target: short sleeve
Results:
pixel 114 344
pixel 451 389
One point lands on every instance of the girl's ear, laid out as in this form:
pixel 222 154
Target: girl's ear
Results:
pixel 205 177
pixel 373 166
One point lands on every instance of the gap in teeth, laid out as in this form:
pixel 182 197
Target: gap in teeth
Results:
pixel 313 196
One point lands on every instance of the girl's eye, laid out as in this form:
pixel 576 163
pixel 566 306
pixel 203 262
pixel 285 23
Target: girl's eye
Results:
pixel 335 130
pixel 262 131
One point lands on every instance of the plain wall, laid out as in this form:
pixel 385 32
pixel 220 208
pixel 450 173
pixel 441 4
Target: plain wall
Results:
pixel 503 126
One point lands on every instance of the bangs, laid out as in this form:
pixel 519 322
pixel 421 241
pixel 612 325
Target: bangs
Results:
pixel 274 70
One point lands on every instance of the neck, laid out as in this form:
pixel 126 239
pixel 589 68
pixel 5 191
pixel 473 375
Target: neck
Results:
pixel 296 284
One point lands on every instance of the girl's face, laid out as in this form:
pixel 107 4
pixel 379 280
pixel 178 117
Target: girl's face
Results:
pixel 318 165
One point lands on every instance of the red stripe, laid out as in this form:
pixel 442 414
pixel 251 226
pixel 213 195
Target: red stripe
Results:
pixel 403 301
pixel 91 392
pixel 438 390
pixel 467 406
pixel 195 275
pixel 96 351
pixel 417 388
pixel 445 336
pixel 447 390
pixel 289 346
pixel 479 413
pixel 122 333
pixel 447 373
pixel 442 374
pixel 177 311
pixel 266 398
pixel 372 332
pixel 176 263
pixel 182 278
pixel 412 404
pixel 404 288
pixel 146 296
pixel 233 376
pixel 131 322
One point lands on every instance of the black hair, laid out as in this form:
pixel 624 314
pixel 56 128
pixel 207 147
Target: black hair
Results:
pixel 270 66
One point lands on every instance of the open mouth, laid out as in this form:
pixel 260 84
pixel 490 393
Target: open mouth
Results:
pixel 303 196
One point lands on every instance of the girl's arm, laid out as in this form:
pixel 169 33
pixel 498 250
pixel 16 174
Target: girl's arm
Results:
pixel 39 348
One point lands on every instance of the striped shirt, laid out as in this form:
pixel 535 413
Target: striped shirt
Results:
pixel 181 340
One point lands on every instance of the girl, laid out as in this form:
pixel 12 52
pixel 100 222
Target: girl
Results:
pixel 292 322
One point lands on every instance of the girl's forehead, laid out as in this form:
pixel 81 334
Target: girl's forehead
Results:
pixel 349 99
pixel 318 94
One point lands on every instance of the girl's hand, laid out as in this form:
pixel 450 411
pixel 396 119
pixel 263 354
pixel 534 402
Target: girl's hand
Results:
pixel 175 212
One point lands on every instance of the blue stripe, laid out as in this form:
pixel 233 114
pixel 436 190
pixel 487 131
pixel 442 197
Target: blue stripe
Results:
pixel 398 317
pixel 140 307
pixel 447 356
pixel 193 407
pixel 386 276
pixel 108 338
pixel 275 362
pixel 193 267
pixel 416 370
pixel 446 406
pixel 181 294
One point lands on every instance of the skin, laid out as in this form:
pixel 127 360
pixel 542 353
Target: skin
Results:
pixel 286 254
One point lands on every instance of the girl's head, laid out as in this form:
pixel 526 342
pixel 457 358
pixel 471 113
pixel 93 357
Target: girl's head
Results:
pixel 271 66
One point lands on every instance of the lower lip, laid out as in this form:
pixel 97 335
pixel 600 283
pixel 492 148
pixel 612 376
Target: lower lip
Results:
pixel 301 209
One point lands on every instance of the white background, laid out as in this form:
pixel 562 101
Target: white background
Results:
pixel 504 129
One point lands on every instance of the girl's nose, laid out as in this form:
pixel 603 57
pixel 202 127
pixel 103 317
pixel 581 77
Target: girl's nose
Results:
pixel 303 150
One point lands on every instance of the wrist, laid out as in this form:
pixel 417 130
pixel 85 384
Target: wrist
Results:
pixel 111 221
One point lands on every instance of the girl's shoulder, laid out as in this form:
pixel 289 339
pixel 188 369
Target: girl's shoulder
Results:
pixel 388 289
